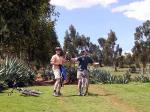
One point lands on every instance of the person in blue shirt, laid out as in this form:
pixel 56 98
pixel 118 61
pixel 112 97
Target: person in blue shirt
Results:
pixel 84 60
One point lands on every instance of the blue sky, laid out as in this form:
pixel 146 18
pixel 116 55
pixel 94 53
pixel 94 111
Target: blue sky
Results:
pixel 96 18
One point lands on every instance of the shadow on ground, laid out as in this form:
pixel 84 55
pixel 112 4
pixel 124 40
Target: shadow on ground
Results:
pixel 89 94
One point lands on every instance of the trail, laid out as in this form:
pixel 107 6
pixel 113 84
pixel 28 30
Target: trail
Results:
pixel 112 99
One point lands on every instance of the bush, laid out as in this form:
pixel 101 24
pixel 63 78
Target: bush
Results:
pixel 15 70
pixel 2 86
pixel 142 78
pixel 132 69
pixel 71 75
pixel 101 76
pixel 47 74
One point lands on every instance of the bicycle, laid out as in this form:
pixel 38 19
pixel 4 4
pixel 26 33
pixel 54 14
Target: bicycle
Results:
pixel 26 92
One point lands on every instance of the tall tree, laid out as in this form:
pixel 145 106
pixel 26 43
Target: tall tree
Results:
pixel 142 43
pixel 26 27
pixel 107 46
pixel 70 41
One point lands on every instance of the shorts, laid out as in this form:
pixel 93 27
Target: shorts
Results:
pixel 80 73
pixel 57 73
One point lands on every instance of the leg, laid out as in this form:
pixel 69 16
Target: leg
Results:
pixel 79 77
pixel 79 86
pixel 87 81
pixel 59 87
pixel 57 83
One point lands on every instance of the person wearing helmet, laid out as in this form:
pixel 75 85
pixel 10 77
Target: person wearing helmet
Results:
pixel 56 61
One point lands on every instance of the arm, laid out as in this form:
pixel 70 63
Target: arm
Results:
pixel 74 59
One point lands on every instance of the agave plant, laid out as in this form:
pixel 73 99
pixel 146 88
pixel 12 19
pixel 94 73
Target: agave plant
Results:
pixel 142 78
pixel 16 70
pixel 101 76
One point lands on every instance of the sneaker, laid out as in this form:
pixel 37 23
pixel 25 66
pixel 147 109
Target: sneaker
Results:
pixel 59 94
pixel 85 94
pixel 55 94
pixel 79 94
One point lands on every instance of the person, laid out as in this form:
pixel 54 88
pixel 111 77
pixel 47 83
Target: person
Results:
pixel 83 60
pixel 57 60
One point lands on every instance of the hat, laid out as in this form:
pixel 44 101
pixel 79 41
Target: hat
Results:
pixel 58 48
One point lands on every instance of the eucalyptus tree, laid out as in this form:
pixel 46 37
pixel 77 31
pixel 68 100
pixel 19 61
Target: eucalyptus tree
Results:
pixel 141 49
pixel 107 45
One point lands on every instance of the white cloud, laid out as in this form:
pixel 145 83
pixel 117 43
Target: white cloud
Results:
pixel 74 4
pixel 139 10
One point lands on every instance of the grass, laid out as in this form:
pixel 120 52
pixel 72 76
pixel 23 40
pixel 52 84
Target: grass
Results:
pixel 136 94
pixel 99 100
pixel 47 103
pixel 120 71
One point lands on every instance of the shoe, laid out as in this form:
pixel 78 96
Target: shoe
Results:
pixel 55 94
pixel 79 94
pixel 84 94
pixel 59 94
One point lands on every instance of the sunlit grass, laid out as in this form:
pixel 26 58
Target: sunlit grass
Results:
pixel 135 94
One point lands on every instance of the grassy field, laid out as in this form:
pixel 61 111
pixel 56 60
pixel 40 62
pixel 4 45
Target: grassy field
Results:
pixel 136 94
pixel 102 98
pixel 120 71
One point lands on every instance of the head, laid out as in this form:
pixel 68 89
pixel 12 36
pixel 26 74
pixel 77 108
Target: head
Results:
pixel 84 52
pixel 58 50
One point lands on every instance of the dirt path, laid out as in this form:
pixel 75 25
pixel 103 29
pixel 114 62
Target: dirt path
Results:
pixel 112 99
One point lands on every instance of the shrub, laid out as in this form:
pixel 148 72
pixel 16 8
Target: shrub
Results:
pixel 71 75
pixel 101 76
pixel 142 78
pixel 2 86
pixel 15 70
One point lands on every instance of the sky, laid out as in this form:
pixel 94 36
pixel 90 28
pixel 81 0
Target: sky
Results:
pixel 95 18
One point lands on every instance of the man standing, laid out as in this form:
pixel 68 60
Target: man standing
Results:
pixel 83 60
pixel 57 60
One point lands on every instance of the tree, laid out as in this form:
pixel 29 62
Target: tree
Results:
pixel 141 49
pixel 70 41
pixel 128 60
pixel 94 51
pixel 27 28
pixel 74 43
pixel 107 46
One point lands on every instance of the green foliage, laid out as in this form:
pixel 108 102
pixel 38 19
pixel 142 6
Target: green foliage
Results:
pixel 128 59
pixel 27 29
pixel 2 86
pixel 71 75
pixel 141 48
pixel 95 52
pixel 132 69
pixel 101 76
pixel 142 78
pixel 14 70
pixel 74 43
pixel 108 48
pixel 70 41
